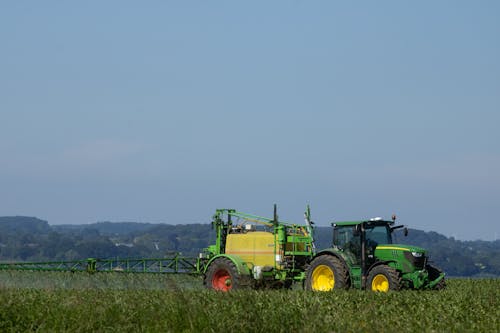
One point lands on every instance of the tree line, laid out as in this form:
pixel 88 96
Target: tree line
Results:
pixel 32 239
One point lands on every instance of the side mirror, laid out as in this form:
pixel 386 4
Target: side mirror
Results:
pixel 405 231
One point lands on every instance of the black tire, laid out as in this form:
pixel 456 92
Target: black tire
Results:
pixel 434 273
pixel 222 275
pixel 326 273
pixel 383 278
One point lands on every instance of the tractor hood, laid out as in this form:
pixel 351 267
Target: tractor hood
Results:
pixel 408 258
pixel 400 247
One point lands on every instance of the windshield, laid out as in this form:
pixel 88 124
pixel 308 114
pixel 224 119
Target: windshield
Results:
pixel 379 234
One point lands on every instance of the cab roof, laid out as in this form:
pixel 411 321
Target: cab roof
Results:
pixel 376 220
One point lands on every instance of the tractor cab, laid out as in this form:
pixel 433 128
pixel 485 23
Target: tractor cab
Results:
pixel 364 256
pixel 359 239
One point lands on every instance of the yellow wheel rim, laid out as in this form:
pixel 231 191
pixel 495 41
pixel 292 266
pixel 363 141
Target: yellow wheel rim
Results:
pixel 323 278
pixel 380 283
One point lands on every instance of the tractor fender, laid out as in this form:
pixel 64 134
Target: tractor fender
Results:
pixel 378 263
pixel 238 262
pixel 330 252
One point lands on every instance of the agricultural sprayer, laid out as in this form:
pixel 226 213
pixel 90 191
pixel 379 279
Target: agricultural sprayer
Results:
pixel 251 251
pixel 256 251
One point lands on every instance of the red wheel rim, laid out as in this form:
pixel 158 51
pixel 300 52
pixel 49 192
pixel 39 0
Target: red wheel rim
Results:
pixel 222 280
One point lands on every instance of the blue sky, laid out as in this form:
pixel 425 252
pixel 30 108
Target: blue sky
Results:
pixel 164 111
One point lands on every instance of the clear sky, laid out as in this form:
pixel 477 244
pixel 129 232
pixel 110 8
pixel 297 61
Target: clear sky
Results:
pixel 160 111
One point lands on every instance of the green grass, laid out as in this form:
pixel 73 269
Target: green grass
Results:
pixel 104 281
pixel 55 302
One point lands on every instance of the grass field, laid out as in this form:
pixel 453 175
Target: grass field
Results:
pixel 117 302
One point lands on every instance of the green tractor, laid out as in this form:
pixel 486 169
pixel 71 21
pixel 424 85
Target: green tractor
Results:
pixel 363 256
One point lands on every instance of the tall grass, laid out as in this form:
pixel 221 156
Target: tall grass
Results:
pixel 161 303
pixel 106 281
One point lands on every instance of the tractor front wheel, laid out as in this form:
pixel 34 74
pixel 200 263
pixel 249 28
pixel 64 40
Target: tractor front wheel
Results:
pixel 326 273
pixel 383 278
pixel 222 275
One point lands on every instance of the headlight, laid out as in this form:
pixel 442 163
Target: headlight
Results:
pixel 416 254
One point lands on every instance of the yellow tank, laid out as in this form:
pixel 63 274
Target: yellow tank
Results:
pixel 254 247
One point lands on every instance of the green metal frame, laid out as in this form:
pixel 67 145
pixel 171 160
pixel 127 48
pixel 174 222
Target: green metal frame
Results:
pixel 174 265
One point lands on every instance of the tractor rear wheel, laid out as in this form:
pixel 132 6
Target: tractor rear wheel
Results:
pixel 222 275
pixel 326 273
pixel 383 278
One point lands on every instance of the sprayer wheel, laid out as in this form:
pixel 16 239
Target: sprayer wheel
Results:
pixel 222 275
